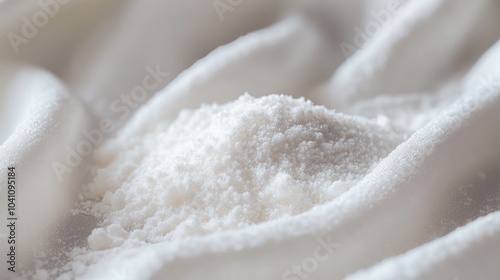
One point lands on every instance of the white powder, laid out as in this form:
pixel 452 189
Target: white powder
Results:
pixel 229 166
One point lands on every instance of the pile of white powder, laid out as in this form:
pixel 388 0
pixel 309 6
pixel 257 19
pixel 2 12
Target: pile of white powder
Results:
pixel 224 167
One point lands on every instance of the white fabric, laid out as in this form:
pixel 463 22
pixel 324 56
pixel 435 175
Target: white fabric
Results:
pixel 432 72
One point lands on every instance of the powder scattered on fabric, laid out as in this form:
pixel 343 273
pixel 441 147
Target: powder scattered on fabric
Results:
pixel 225 167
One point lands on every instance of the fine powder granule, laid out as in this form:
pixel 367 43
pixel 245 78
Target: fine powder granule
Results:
pixel 224 167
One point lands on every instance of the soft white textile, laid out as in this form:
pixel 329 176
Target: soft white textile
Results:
pixel 432 72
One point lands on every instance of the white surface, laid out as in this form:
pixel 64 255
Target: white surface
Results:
pixel 226 167
pixel 431 74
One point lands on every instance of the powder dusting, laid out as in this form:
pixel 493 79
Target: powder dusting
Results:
pixel 224 167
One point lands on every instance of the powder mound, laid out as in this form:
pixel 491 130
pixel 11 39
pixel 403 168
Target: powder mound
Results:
pixel 224 167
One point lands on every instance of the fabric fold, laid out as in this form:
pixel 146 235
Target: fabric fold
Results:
pixel 46 124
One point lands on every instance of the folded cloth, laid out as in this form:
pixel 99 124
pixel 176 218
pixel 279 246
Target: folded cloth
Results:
pixel 83 82
pixel 40 122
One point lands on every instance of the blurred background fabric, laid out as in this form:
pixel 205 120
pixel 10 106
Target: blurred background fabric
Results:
pixel 429 69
